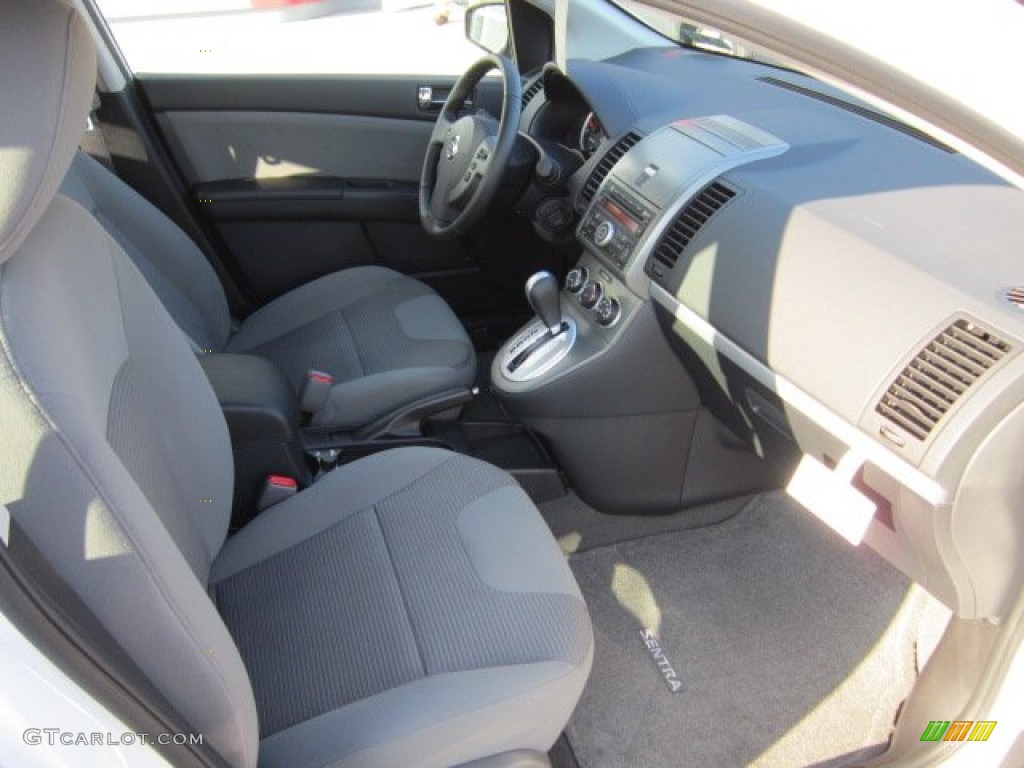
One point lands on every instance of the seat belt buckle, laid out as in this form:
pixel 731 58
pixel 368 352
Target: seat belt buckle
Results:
pixel 315 390
pixel 276 488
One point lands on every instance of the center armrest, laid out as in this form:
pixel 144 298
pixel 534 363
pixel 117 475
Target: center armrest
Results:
pixel 258 403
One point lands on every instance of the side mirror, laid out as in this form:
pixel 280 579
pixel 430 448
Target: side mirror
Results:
pixel 487 25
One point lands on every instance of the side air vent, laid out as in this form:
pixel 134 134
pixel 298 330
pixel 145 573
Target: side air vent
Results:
pixel 535 87
pixel 688 222
pixel 939 375
pixel 1015 296
pixel 611 157
pixel 856 109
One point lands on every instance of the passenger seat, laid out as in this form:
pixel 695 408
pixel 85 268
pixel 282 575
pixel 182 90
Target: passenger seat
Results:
pixel 409 609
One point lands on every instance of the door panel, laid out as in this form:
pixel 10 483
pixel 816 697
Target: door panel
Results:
pixel 213 146
pixel 232 127
pixel 303 176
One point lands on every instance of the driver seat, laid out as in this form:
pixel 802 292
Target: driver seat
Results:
pixel 388 340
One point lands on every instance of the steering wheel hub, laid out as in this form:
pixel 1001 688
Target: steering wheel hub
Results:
pixel 452 150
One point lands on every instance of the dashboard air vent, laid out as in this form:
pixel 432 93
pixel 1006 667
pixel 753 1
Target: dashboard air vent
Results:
pixel 532 90
pixel 688 222
pixel 939 375
pixel 1015 296
pixel 611 157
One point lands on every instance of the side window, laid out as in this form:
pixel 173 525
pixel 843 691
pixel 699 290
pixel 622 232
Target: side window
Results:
pixel 386 37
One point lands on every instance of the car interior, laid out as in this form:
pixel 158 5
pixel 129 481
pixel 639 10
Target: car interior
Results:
pixel 649 406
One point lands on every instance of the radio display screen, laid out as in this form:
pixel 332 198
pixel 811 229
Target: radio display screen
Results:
pixel 623 218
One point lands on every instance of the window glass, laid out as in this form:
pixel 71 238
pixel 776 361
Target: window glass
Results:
pixel 291 36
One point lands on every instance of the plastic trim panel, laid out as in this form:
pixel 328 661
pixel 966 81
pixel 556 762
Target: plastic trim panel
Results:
pixel 908 475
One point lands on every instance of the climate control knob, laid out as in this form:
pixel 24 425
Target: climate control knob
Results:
pixel 576 279
pixel 604 233
pixel 591 294
pixel 607 311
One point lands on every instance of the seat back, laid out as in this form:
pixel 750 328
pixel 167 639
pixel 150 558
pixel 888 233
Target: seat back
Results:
pixel 114 456
pixel 173 265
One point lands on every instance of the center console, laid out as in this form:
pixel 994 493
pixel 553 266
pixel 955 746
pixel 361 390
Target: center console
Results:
pixel 621 412
pixel 276 453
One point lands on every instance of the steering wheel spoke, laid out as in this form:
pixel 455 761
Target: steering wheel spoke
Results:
pixel 464 188
pixel 439 207
pixel 442 129
pixel 461 193
pixel 467 155
pixel 483 156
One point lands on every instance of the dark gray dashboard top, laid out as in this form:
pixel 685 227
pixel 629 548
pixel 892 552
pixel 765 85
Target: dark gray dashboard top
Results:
pixel 844 255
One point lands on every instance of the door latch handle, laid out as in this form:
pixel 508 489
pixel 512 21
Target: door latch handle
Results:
pixel 430 98
pixel 425 98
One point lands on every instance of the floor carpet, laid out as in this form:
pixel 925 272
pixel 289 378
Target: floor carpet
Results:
pixel 762 640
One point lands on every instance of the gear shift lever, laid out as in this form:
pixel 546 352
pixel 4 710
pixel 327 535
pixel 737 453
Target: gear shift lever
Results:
pixel 539 346
pixel 543 294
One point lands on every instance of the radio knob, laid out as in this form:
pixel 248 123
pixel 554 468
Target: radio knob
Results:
pixel 607 311
pixel 604 233
pixel 592 293
pixel 576 279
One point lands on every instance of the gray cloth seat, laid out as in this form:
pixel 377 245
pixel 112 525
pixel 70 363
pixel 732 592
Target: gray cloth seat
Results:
pixel 389 340
pixel 432 607
pixel 409 609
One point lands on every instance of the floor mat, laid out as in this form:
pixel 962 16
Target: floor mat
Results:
pixel 764 640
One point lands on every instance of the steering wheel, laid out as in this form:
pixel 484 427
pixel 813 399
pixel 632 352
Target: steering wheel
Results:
pixel 467 156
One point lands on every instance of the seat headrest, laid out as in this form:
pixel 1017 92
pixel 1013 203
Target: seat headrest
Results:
pixel 47 78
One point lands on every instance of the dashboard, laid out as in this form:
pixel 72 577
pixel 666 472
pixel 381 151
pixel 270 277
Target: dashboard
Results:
pixel 848 283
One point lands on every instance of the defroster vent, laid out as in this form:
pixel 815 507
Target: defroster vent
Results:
pixel 689 221
pixel 611 157
pixel 939 375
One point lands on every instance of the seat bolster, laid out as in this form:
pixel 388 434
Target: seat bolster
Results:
pixel 499 541
pixel 438 721
pixel 343 492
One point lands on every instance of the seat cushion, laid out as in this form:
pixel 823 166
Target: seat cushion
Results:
pixel 387 339
pixel 439 621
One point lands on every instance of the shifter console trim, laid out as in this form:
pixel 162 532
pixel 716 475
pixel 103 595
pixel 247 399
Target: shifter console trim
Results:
pixel 543 355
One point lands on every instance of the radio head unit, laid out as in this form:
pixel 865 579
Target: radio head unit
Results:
pixel 614 224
